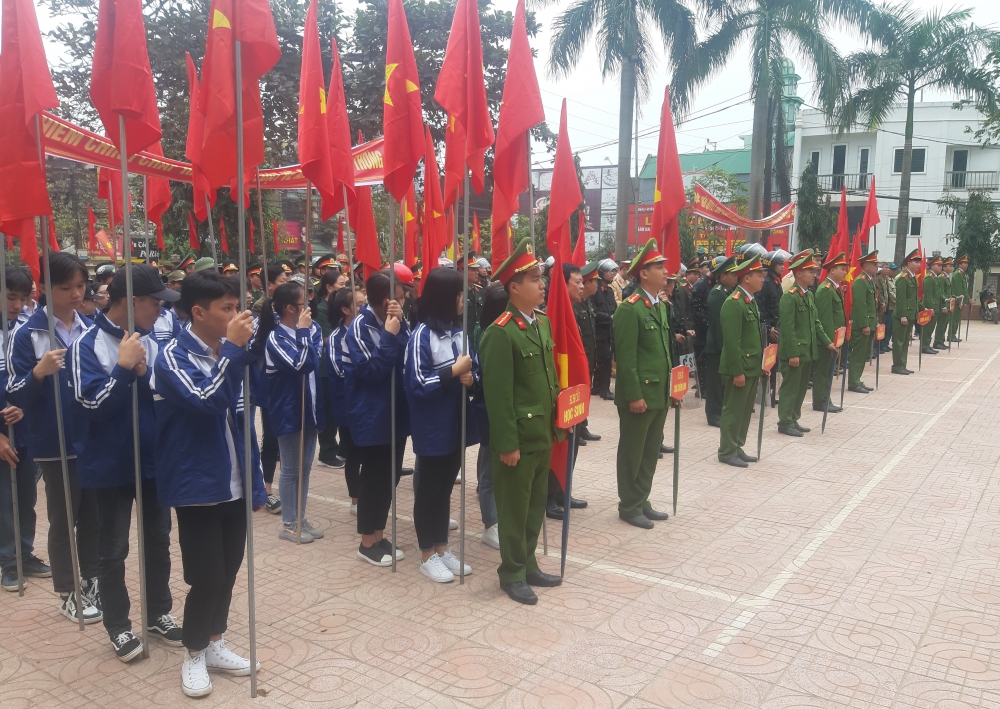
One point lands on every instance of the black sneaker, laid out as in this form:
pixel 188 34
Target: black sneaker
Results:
pixel 33 566
pixel 9 580
pixel 273 504
pixel 375 555
pixel 127 646
pixel 166 627
pixel 91 614
pixel 387 547
pixel 91 592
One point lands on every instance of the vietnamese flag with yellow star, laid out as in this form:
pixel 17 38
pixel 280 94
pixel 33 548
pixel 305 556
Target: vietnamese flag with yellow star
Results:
pixel 402 115
pixel 314 138
pixel 668 193
pixel 435 235
pixel 339 129
pixel 408 215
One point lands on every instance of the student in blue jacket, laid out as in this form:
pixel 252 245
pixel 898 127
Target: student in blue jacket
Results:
pixel 342 308
pixel 434 373
pixel 376 342
pixel 14 457
pixel 199 406
pixel 35 370
pixel 104 363
pixel 291 355
pixel 167 325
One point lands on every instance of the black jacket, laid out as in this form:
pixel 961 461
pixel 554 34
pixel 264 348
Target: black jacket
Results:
pixel 604 306
pixel 699 307
pixel 767 300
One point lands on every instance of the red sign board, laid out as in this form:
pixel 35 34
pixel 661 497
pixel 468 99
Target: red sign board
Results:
pixel 849 324
pixel 951 305
pixel 770 357
pixel 839 335
pixel 924 317
pixel 572 405
pixel 679 377
pixel 880 332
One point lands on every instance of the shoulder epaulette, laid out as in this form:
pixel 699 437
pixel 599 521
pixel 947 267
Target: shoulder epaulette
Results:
pixel 793 289
pixel 827 285
pixel 736 295
pixel 503 319
pixel 539 311
pixel 632 298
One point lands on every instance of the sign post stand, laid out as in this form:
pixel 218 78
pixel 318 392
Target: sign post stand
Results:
pixel 770 357
pixel 839 335
pixel 923 318
pixel 879 336
pixel 680 378
pixel 572 407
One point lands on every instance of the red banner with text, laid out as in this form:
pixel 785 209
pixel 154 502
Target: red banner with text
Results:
pixel 707 206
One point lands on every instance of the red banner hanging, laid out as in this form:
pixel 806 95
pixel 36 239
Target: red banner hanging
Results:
pixel 707 206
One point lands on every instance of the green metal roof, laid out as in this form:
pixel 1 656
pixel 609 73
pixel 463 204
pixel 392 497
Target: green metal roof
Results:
pixel 735 162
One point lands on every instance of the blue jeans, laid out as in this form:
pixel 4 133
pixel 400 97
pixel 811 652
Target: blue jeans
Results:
pixel 288 447
pixel 27 477
pixel 484 488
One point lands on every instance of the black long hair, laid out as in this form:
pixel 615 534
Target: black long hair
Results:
pixel 270 312
pixel 338 300
pixel 494 303
pixel 436 305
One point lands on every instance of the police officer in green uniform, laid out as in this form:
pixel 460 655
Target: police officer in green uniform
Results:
pixel 904 316
pixel 931 300
pixel 864 320
pixel 802 335
pixel 830 304
pixel 520 385
pixel 942 301
pixel 740 363
pixel 642 351
pixel 586 320
pixel 960 292
pixel 710 379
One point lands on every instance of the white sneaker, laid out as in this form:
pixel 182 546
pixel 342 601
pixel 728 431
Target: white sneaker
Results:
pixel 194 674
pixel 458 478
pixel 435 570
pixel 220 658
pixel 354 510
pixel 491 537
pixel 452 524
pixel 454 565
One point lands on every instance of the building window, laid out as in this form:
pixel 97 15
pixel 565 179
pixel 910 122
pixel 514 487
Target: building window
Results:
pixel 814 160
pixel 863 168
pixel 914 226
pixel 916 161
pixel 893 223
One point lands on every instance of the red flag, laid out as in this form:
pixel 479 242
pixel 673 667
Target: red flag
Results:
pixel 871 214
pixel 192 149
pixel 366 249
pixel 435 229
pixel 565 197
pixel 580 250
pixel 91 230
pixel 25 90
pixel 729 243
pixel 408 215
pixel 24 231
pixel 53 241
pixel 274 229
pixel 251 245
pixel 668 192
pixel 109 187
pixel 520 110
pixel 476 234
pixel 340 236
pixel 841 241
pixel 402 116
pixel 314 138
pixel 121 80
pixel 160 198
pixel 223 240
pixel 461 88
pixel 193 241
pixel 454 162
pixel 921 271
pixel 339 131
pixel 853 271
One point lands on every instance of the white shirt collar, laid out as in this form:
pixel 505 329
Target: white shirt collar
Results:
pixel 652 298
pixel 529 318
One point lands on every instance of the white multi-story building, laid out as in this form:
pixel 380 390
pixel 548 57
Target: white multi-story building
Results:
pixel 946 161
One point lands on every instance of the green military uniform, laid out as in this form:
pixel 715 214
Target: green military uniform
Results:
pixel 830 305
pixel 584 313
pixel 931 301
pixel 710 378
pixel 959 289
pixel 642 352
pixel 942 311
pixel 906 307
pixel 863 314
pixel 802 335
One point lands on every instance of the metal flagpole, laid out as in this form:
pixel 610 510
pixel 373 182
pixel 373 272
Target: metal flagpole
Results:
pixel 350 244
pixel 302 430
pixel 145 214
pixel 764 383
pixel 15 507
pixel 829 390
pixel 211 230
pixel 878 357
pixel 570 464
pixel 56 388
pixel 136 461
pixel 454 232
pixel 844 372
pixel 247 423
pixel 263 237
pixel 677 452
pixel 531 207
pixel 392 375
pixel 968 319
pixel 466 286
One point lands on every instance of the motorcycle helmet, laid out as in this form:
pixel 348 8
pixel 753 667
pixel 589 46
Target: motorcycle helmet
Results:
pixel 748 251
pixel 607 266
pixel 549 262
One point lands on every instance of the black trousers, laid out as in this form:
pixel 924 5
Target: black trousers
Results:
pixel 432 498
pixel 712 382
pixel 85 518
pixel 212 540
pixel 603 359
pixel 375 488
pixel 268 447
pixel 327 438
pixel 352 466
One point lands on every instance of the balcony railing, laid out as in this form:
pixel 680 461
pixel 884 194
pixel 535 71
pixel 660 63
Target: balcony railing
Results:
pixel 834 183
pixel 966 180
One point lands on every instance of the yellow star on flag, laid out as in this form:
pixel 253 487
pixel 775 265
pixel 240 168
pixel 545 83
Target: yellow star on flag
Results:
pixel 220 20
pixel 389 68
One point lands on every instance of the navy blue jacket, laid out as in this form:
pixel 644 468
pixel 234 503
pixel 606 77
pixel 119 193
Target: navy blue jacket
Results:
pixel 195 398
pixel 20 428
pixel 166 327
pixel 287 359
pixel 336 353
pixel 373 354
pixel 103 392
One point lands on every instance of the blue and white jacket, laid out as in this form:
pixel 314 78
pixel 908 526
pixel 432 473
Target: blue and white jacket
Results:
pixel 29 343
pixel 337 355
pixel 433 395
pixel 20 429
pixel 166 327
pixel 367 376
pixel 196 397
pixel 288 356
pixel 103 392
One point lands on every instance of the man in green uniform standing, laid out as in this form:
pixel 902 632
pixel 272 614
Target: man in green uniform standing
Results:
pixel 710 378
pixel 520 385
pixel 802 335
pixel 830 304
pixel 642 350
pixel 960 292
pixel 931 301
pixel 474 299
pixel 905 313
pixel 586 320
pixel 942 305
pixel 740 362
pixel 864 320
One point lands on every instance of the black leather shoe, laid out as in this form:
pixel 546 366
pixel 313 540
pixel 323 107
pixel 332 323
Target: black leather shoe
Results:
pixel 588 436
pixel 608 396
pixel 929 350
pixel 519 591
pixel 650 513
pixel 834 409
pixel 908 371
pixel 666 449
pixel 715 422
pixel 544 580
pixel 790 431
pixel 859 389
pixel 577 504
pixel 901 371
pixel 746 458
pixel 554 511
pixel 582 442
pixel 638 521
pixel 803 429
pixel 406 471
pixel 735 462
pixel 940 346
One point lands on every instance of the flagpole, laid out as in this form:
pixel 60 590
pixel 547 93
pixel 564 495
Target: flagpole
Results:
pixel 10 429
pixel 465 391
pixel 454 231
pixel 263 239
pixel 302 430
pixel 130 308
pixel 392 375
pixel 350 245
pixel 247 423
pixel 211 230
pixel 145 212
pixel 531 206
pixel 56 388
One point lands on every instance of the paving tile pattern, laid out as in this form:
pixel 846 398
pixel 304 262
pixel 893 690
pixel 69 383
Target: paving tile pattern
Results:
pixel 761 592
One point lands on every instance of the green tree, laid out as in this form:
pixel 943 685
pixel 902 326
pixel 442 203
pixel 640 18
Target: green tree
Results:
pixel 625 32
pixel 816 220
pixel 909 53
pixel 773 29
pixel 977 234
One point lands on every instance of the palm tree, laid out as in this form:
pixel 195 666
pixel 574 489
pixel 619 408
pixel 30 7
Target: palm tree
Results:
pixel 772 28
pixel 911 53
pixel 625 34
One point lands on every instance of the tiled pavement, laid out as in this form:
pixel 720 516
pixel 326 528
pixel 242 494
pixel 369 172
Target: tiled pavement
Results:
pixel 855 568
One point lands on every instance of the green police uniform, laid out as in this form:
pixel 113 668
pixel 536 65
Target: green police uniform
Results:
pixel 642 352
pixel 710 378
pixel 931 301
pixel 906 307
pixel 942 311
pixel 741 354
pixel 863 314
pixel 830 304
pixel 802 336
pixel 959 289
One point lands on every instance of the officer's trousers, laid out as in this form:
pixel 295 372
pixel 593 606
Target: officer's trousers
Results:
pixel 927 332
pixel 943 320
pixel 861 346
pixel 900 343
pixel 737 407
pixel 520 493
pixel 821 378
pixel 955 331
pixel 794 385
pixel 639 442
pixel 712 382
